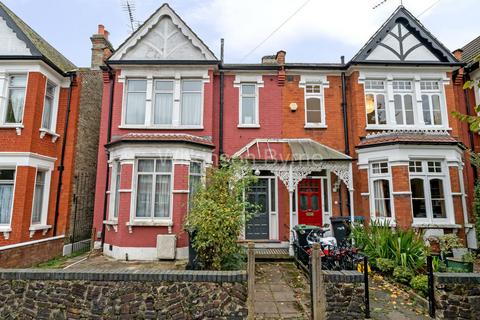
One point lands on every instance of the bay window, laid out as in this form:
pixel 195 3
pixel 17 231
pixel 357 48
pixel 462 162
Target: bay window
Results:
pixel 427 184
pixel 314 110
pixel 39 210
pixel 7 183
pixel 248 105
pixel 163 103
pixel 403 102
pixel 49 108
pixel 15 101
pixel 115 193
pixel 375 106
pixel 431 103
pixel 153 188
pixel 381 201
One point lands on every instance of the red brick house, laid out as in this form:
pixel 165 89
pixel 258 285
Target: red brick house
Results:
pixel 373 137
pixel 40 119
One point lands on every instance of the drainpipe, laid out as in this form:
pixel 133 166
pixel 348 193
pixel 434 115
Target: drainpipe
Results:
pixel 470 133
pixel 345 132
pixel 222 89
pixel 61 167
pixel 109 137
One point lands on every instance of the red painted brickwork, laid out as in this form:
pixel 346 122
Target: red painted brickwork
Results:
pixel 31 255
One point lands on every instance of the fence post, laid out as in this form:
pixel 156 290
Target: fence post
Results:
pixel 251 280
pixel 318 292
pixel 367 293
pixel 431 289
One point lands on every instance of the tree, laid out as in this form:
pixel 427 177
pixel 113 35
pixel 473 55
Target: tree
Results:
pixel 217 215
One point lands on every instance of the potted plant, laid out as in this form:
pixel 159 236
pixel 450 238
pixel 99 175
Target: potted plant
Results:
pixel 448 242
pixel 434 243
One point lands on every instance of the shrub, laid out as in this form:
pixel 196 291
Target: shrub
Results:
pixel 217 216
pixel 402 274
pixel 449 241
pixel 420 284
pixel 385 265
pixel 379 240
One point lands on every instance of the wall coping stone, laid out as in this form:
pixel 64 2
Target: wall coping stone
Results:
pixel 464 278
pixel 342 276
pixel 124 275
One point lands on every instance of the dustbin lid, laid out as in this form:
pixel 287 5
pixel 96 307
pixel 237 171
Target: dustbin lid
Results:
pixel 299 227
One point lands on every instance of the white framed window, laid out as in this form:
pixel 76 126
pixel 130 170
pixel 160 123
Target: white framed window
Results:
pixel 403 102
pixel 249 112
pixel 40 198
pixel 153 189
pixel 375 102
pixel 431 103
pixel 15 99
pixel 49 107
pixel 314 108
pixel 381 196
pixel 428 184
pixel 7 187
pixel 115 190
pixel 163 103
pixel 194 179
pixel 135 105
pixel 191 103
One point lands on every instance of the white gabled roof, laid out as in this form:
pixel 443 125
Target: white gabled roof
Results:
pixel 164 36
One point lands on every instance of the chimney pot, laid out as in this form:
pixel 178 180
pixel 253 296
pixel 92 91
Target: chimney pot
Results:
pixel 101 48
pixel 280 57
pixel 458 54
pixel 101 29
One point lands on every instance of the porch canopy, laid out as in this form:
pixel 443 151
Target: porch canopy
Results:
pixel 292 160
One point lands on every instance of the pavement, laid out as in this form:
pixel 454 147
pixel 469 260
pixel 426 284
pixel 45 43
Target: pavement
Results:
pixel 281 292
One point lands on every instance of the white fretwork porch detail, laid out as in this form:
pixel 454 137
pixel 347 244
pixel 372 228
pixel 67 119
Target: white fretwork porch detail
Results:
pixel 292 160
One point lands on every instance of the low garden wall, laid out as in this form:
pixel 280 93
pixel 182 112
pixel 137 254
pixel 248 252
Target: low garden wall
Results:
pixel 345 293
pixel 62 294
pixel 457 295
pixel 27 254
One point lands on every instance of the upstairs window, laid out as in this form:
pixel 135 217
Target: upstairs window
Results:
pixel 314 111
pixel 375 106
pixel 15 101
pixel 163 103
pixel 191 104
pixel 136 101
pixel 248 105
pixel 7 182
pixel 48 107
pixel 403 102
pixel 431 103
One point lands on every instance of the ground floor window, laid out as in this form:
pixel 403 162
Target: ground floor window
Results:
pixel 380 190
pixel 115 190
pixel 7 182
pixel 39 210
pixel 153 189
pixel 195 179
pixel 427 183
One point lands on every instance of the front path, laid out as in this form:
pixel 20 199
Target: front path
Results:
pixel 281 291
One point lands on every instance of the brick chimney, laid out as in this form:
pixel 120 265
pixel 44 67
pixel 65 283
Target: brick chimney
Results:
pixel 101 48
pixel 459 75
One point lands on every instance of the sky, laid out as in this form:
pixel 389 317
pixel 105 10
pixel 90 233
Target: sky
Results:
pixel 308 30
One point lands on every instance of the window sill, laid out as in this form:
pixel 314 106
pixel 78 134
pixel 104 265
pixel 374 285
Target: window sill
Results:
pixel 6 231
pixel 39 227
pixel 156 127
pixel 17 126
pixel 149 223
pixel 111 224
pixel 436 225
pixel 315 126
pixel 248 126
pixel 44 132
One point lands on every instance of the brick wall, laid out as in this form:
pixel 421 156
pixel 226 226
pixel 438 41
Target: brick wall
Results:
pixel 30 255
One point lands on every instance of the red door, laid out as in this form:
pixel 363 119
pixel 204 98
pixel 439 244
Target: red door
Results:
pixel 310 202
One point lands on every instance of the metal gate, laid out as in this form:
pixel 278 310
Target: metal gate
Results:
pixel 81 220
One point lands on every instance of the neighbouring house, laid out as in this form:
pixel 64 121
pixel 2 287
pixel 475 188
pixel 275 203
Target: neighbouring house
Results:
pixel 372 137
pixel 49 124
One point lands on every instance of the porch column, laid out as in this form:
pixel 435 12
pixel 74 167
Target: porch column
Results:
pixel 291 189
pixel 352 209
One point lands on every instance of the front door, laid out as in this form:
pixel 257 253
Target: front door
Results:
pixel 310 202
pixel 257 227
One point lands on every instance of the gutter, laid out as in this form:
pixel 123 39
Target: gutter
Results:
pixel 109 138
pixel 61 167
